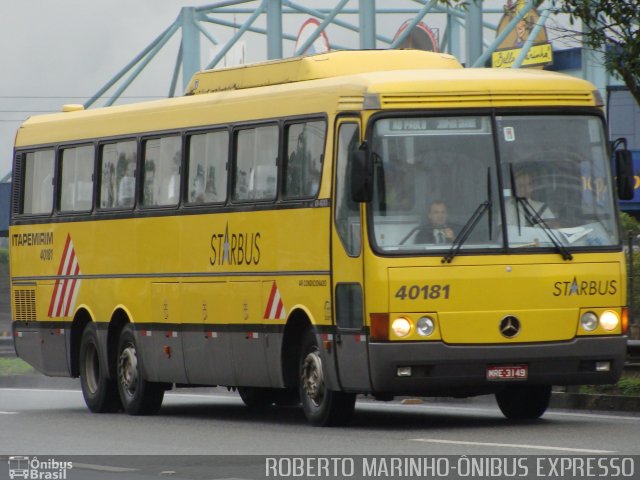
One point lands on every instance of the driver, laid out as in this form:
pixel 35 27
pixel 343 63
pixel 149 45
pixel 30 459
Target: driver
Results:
pixel 437 230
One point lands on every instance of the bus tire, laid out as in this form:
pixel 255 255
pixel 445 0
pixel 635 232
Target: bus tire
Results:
pixel 322 407
pixel 524 402
pixel 138 396
pixel 100 393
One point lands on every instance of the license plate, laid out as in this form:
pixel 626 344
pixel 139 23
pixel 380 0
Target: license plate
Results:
pixel 507 372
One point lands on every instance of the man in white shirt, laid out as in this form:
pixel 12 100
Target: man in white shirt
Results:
pixel 524 189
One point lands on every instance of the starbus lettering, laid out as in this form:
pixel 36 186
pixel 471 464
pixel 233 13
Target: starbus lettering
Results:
pixel 585 287
pixel 230 248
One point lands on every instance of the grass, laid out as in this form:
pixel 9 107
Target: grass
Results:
pixel 628 385
pixel 14 366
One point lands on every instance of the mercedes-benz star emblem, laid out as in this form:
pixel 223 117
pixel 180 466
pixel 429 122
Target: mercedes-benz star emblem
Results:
pixel 509 326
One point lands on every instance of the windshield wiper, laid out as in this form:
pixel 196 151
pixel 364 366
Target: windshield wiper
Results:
pixel 471 224
pixel 466 231
pixel 534 218
pixel 538 220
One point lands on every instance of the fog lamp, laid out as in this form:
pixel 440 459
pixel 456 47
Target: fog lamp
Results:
pixel 425 326
pixel 589 321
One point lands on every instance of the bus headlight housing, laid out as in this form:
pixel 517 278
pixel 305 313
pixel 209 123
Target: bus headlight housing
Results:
pixel 609 320
pixel 401 327
pixel 589 321
pixel 425 326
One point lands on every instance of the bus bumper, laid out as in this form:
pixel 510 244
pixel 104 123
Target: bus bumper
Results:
pixel 44 348
pixel 461 370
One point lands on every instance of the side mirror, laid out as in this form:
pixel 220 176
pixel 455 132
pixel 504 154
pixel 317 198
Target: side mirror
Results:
pixel 361 173
pixel 624 174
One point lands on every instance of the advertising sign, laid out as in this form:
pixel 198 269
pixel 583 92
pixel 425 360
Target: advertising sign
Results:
pixel 420 38
pixel 319 45
pixel 540 53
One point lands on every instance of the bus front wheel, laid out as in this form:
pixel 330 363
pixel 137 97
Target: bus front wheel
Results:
pixel 100 393
pixel 524 402
pixel 322 406
pixel 138 396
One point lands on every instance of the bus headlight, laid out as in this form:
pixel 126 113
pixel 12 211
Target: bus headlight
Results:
pixel 609 320
pixel 425 326
pixel 589 321
pixel 401 327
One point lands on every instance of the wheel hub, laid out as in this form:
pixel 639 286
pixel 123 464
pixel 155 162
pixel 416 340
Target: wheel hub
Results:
pixel 129 370
pixel 313 378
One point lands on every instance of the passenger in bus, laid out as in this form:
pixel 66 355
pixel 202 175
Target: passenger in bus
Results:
pixel 173 186
pixel 525 186
pixel 127 183
pixel 197 188
pixel 437 229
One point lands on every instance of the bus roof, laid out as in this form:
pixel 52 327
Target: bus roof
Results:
pixel 296 90
pixel 314 67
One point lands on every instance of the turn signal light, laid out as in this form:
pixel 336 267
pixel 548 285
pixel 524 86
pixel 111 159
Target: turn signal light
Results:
pixel 624 320
pixel 379 327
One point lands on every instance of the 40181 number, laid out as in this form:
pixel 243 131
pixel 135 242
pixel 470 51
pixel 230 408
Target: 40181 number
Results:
pixel 425 292
pixel 46 254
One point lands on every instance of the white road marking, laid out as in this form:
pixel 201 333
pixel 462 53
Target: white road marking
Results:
pixel 39 390
pixel 513 445
pixel 435 407
pixel 431 407
pixel 102 468
pixel 8 413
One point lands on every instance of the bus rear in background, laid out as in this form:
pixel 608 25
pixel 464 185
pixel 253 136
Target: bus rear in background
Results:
pixel 383 223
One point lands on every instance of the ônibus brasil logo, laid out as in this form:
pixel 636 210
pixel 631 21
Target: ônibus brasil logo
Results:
pixel 36 469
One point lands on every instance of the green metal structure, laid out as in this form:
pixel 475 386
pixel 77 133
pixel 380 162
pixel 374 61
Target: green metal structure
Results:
pixel 195 25
pixel 464 27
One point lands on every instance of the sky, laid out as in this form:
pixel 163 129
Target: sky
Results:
pixel 54 52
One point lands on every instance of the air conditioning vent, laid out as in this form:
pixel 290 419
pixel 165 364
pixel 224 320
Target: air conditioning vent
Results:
pixel 25 304
pixel 16 184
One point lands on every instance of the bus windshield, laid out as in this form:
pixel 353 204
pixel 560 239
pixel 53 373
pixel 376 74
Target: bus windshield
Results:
pixel 523 182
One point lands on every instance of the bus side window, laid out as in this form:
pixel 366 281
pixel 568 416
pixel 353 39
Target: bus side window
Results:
pixel 347 211
pixel 118 175
pixel 37 196
pixel 303 159
pixel 162 158
pixel 208 154
pixel 76 185
pixel 256 171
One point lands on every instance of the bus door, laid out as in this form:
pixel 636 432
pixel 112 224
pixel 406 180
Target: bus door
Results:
pixel 347 266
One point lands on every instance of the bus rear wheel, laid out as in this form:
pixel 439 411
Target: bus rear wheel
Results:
pixel 524 402
pixel 138 396
pixel 99 392
pixel 322 406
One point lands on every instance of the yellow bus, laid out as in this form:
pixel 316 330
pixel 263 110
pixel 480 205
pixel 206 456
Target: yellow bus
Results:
pixel 384 223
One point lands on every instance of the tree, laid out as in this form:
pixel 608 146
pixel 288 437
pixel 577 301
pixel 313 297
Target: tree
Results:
pixel 612 27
